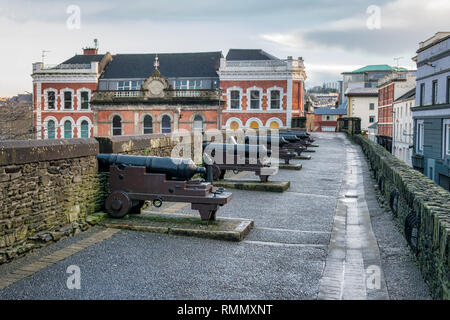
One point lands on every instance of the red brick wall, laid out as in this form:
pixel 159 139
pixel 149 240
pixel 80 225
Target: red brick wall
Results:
pixel 104 120
pixel 385 108
pixel 59 113
pixel 262 116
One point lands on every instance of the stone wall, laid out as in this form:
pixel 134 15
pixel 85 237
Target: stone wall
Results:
pixel 422 210
pixel 49 189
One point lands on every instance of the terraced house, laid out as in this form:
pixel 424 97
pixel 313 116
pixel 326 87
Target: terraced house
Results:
pixel 431 115
pixel 129 94
pixel 261 90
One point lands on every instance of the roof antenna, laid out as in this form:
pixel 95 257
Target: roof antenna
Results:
pixel 44 54
pixel 397 60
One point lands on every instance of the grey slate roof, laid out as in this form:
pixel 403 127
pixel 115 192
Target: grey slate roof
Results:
pixel 171 65
pixel 330 111
pixel 362 92
pixel 407 96
pixel 340 110
pixel 84 58
pixel 249 54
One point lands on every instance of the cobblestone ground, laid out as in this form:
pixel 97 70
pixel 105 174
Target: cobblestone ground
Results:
pixel 321 239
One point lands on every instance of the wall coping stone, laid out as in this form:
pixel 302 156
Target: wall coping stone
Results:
pixel 29 151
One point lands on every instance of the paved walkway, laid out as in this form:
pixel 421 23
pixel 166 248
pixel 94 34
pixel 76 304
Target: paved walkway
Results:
pixel 325 238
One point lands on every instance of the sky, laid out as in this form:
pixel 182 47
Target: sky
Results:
pixel 331 36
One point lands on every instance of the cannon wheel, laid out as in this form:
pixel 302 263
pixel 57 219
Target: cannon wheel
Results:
pixel 118 204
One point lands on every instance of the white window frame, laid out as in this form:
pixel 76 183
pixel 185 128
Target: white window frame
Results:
pixel 90 126
pixel 446 138
pixel 46 91
pixel 420 130
pixel 269 96
pixel 63 101
pixel 249 97
pixel 61 125
pixel 229 98
pixel 47 119
pixel 129 86
pixel 79 102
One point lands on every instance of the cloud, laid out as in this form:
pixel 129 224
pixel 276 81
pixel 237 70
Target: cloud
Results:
pixel 403 24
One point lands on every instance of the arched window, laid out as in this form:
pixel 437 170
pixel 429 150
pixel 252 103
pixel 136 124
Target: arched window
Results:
pixel 67 129
pixel 84 129
pixel 274 125
pixel 198 122
pixel 117 126
pixel 254 125
pixel 234 125
pixel 148 124
pixel 51 129
pixel 165 124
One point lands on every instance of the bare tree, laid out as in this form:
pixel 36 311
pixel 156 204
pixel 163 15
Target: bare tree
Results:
pixel 16 120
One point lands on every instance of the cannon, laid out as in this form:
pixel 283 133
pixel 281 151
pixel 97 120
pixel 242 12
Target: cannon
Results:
pixel 283 153
pixel 302 134
pixel 293 138
pixel 294 144
pixel 238 157
pixel 135 179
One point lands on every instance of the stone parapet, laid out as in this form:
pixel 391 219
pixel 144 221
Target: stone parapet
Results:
pixel 422 210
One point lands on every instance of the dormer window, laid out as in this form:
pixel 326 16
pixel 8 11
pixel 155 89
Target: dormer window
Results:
pixel 129 85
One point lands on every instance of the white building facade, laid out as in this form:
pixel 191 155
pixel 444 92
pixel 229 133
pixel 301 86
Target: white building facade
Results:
pixel 403 126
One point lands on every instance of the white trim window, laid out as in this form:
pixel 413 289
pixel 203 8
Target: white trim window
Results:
pixel 195 84
pixel 255 99
pixel 187 84
pixel 275 97
pixel 235 99
pixel 420 136
pixel 446 139
pixel 50 99
pixel 67 99
pixel 129 85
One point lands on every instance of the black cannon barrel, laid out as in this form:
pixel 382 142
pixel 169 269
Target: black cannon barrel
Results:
pixel 266 140
pixel 290 138
pixel 173 167
pixel 235 149
pixel 298 135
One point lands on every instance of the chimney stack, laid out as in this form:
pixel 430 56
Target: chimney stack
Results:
pixel 90 50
